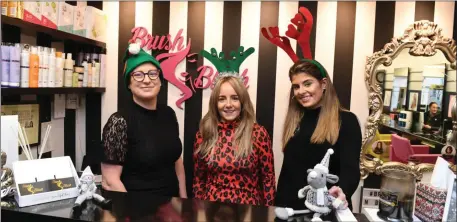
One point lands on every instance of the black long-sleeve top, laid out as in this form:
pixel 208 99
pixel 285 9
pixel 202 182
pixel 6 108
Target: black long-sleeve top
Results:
pixel 300 155
pixel 146 143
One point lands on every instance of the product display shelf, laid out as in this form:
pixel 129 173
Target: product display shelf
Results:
pixel 27 27
pixel 48 91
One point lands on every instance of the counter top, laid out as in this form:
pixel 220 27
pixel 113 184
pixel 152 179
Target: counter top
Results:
pixel 428 138
pixel 144 206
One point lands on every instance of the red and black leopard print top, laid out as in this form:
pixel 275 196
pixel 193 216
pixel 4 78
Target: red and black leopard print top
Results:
pixel 249 180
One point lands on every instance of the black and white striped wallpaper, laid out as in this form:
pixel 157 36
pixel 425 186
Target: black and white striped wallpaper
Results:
pixel 344 34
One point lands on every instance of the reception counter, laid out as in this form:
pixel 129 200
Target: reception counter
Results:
pixel 429 139
pixel 143 206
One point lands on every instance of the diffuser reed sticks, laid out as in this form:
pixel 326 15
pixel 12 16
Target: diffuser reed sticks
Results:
pixel 23 140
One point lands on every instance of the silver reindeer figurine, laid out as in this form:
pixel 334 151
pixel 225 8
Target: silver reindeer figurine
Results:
pixel 318 200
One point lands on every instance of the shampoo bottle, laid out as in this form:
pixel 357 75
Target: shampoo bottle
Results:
pixel 12 8
pixel 97 75
pixel 5 64
pixel 89 72
pixel 85 73
pixel 25 60
pixel 45 59
pixel 102 68
pixel 68 71
pixel 52 68
pixel 59 69
pixel 4 8
pixel 34 68
pixel 94 75
pixel 40 70
pixel 15 65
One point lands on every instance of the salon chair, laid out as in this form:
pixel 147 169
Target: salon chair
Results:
pixel 402 151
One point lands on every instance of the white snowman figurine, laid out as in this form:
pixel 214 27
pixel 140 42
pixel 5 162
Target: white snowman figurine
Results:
pixel 87 189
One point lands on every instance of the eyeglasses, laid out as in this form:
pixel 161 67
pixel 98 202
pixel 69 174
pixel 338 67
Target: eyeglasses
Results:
pixel 139 75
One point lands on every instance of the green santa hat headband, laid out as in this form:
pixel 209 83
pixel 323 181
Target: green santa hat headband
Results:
pixel 134 57
pixel 227 67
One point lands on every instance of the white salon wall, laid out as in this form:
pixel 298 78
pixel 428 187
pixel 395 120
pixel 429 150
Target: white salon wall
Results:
pixel 109 98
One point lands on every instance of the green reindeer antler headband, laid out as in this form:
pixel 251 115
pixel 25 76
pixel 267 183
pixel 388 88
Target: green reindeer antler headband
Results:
pixel 227 67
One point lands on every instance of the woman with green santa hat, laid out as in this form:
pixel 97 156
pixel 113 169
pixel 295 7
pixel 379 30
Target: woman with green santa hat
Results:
pixel 142 149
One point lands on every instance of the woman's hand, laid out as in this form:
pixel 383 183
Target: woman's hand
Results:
pixel 338 193
pixel 427 127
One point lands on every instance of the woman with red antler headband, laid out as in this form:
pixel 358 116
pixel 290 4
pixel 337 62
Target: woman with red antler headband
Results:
pixel 315 122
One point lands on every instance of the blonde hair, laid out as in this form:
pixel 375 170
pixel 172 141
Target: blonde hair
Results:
pixel 209 123
pixel 328 124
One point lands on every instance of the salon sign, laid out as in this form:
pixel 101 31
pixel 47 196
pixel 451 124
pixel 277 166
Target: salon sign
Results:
pixel 177 52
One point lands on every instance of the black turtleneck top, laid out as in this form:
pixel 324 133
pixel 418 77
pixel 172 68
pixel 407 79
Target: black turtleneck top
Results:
pixel 146 143
pixel 300 155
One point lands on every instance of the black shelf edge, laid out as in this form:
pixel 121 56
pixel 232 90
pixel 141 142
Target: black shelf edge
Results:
pixel 49 91
pixel 28 27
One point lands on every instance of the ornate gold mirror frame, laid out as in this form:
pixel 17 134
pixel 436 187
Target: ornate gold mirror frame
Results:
pixel 423 38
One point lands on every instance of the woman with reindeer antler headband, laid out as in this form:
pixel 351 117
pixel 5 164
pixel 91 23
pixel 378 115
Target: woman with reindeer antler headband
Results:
pixel 142 149
pixel 315 122
pixel 233 159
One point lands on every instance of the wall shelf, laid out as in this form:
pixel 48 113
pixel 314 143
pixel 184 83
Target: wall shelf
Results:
pixel 28 27
pixel 50 91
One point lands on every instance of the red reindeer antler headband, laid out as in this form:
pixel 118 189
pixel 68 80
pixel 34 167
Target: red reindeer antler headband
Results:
pixel 303 21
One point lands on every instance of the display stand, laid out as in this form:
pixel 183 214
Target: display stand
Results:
pixel 45 180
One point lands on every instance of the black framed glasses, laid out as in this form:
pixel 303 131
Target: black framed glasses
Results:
pixel 139 75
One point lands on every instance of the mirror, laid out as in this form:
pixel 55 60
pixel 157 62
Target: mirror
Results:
pixel 412 89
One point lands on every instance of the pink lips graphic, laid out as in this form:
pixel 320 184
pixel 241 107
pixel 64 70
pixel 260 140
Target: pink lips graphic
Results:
pixel 169 68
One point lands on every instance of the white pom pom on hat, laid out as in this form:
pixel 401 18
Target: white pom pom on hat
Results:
pixel 134 48
pixel 325 161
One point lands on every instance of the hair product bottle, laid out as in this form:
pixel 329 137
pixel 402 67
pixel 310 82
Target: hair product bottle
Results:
pixel 68 71
pixel 102 68
pixel 40 70
pixel 5 64
pixel 80 59
pixel 97 75
pixel 89 71
pixel 45 59
pixel 12 8
pixel 94 71
pixel 52 68
pixel 59 69
pixel 78 76
pixel 4 8
pixel 34 69
pixel 86 72
pixel 25 60
pixel 15 65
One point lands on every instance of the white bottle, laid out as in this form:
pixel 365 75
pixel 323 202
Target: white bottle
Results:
pixel 86 73
pixel 52 68
pixel 94 75
pixel 59 69
pixel 25 58
pixel 45 60
pixel 97 75
pixel 40 72
pixel 102 68
pixel 68 79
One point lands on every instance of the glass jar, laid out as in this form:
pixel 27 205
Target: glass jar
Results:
pixel 396 199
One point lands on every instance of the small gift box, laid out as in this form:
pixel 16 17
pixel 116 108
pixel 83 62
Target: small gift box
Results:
pixel 430 202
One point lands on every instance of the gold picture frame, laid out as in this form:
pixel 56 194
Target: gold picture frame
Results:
pixel 29 118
